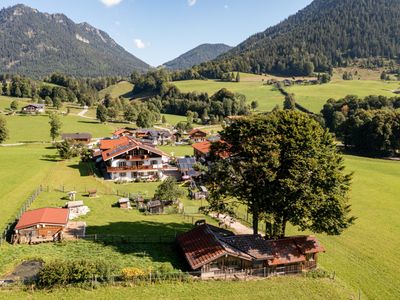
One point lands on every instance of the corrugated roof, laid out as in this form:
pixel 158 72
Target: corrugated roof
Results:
pixel 203 245
pixel 56 216
pixel 112 143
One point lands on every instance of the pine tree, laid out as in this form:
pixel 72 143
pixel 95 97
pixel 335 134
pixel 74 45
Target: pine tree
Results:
pixel 237 77
pixel 101 113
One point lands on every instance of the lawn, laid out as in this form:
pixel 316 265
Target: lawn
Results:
pixel 266 95
pixel 122 89
pixel 178 151
pixel 313 97
pixel 22 170
pixel 6 101
pixel 173 119
pixel 277 288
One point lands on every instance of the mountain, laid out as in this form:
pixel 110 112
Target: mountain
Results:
pixel 198 55
pixel 325 34
pixel 37 44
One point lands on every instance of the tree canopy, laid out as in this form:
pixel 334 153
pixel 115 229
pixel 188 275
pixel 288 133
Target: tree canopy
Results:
pixel 286 169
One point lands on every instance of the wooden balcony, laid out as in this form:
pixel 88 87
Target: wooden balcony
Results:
pixel 141 168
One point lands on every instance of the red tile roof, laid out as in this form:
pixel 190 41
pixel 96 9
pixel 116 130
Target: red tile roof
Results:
pixel 122 131
pixel 205 148
pixel 112 143
pixel 54 216
pixel 196 130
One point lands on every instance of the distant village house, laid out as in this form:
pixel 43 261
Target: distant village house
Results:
pixel 77 138
pixel 33 108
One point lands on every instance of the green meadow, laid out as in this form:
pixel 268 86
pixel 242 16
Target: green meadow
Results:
pixel 266 95
pixel 121 89
pixel 277 288
pixel 313 97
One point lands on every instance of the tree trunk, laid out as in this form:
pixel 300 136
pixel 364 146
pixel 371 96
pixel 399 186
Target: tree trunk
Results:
pixel 255 222
pixel 283 228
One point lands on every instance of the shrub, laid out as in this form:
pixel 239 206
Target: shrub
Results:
pixel 132 273
pixel 61 273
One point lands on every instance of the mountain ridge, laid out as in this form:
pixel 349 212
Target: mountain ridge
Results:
pixel 325 34
pixel 36 44
pixel 200 54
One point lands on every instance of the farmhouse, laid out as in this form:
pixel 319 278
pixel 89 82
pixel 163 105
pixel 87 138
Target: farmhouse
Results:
pixel 197 135
pixel 202 151
pixel 41 225
pixel 33 108
pixel 215 252
pixel 130 159
pixel 77 138
pixel 123 132
pixel 151 136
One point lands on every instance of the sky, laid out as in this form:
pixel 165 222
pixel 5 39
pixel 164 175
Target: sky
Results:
pixel 157 31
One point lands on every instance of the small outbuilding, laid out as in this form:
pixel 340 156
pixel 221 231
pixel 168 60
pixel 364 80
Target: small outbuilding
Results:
pixel 76 209
pixel 155 207
pixel 92 193
pixel 124 203
pixel 41 225
pixel 77 138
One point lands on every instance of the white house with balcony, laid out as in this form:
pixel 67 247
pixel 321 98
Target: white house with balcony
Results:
pixel 134 160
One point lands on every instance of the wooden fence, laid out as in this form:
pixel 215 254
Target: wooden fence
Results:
pixel 7 231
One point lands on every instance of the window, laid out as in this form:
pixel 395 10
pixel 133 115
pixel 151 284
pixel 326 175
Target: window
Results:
pixel 154 162
pixel 122 164
pixel 122 174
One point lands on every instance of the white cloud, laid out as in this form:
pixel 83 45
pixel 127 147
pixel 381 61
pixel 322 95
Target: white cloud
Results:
pixel 110 3
pixel 191 2
pixel 140 44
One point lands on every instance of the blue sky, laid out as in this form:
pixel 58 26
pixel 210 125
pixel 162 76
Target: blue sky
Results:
pixel 157 31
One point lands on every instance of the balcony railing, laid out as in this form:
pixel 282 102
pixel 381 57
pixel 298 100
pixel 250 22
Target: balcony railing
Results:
pixel 141 168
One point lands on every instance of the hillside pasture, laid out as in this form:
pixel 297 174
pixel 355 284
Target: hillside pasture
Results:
pixel 121 89
pixel 266 95
pixel 28 129
pixel 313 97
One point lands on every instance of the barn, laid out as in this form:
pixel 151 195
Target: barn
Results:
pixel 214 252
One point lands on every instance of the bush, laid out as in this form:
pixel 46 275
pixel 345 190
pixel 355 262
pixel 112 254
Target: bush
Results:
pixel 132 273
pixel 61 273
pixel 317 273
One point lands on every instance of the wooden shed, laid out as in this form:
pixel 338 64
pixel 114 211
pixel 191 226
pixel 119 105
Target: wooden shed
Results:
pixel 124 203
pixel 155 207
pixel 41 225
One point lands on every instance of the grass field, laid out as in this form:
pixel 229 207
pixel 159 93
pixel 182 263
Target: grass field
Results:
pixel 173 119
pixel 178 151
pixel 122 89
pixel 266 96
pixel 37 129
pixel 364 257
pixel 276 288
pixel 313 97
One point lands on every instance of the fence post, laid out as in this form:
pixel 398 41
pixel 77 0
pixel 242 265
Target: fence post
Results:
pixel 265 272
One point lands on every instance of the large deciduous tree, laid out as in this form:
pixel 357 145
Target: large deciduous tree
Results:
pixel 286 169
pixel 3 130
pixel 55 126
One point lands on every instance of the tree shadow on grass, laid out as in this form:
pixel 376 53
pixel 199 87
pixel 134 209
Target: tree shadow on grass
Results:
pixel 89 122
pixel 143 239
pixel 51 158
pixel 83 168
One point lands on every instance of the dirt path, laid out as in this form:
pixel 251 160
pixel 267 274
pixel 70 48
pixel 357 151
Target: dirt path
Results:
pixel 231 223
